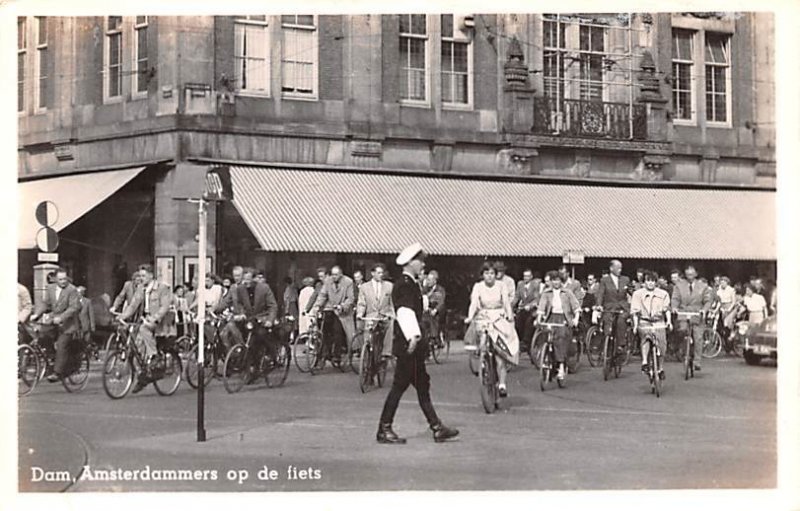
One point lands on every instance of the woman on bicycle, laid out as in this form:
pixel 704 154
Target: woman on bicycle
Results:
pixel 490 302
pixel 651 315
pixel 558 305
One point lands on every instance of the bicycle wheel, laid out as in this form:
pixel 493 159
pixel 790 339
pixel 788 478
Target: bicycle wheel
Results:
pixel 173 371
pixel 655 370
pixel 574 361
pixel 235 370
pixel 184 344
pixel 608 356
pixel 488 377
pixel 111 342
pixel 313 353
pixel 191 368
pixel 473 359
pixel 355 348
pixel 365 367
pixel 594 346
pixel 545 368
pixel 278 369
pixel 299 348
pixel 687 358
pixel 79 378
pixel 536 348
pixel 629 348
pixel 118 374
pixel 380 365
pixel 712 343
pixel 28 370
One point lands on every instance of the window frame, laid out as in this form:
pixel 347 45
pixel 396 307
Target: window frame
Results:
pixel 314 29
pixel 587 83
pixel 454 40
pixel 37 64
pixel 107 35
pixel 693 35
pixel 22 52
pixel 266 26
pixel 560 53
pixel 136 75
pixel 727 66
pixel 427 41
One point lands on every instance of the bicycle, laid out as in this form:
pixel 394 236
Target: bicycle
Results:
pixel 307 345
pixel 372 367
pixel 688 353
pixel 213 354
pixel 655 370
pixel 613 361
pixel 125 361
pixel 438 345
pixel 245 362
pixel 34 363
pixel 340 362
pixel 593 342
pixel 487 369
pixel 712 340
pixel 547 356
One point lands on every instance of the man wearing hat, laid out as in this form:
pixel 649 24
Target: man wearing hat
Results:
pixel 410 349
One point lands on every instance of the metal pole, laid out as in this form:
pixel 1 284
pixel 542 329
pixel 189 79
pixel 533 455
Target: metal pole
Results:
pixel 201 317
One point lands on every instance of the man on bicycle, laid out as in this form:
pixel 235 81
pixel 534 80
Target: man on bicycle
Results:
pixel 692 295
pixel 524 304
pixel 254 302
pixel 612 297
pixel 375 299
pixel 434 296
pixel 230 333
pixel 650 308
pixel 336 300
pixel 558 305
pixel 153 300
pixel 62 305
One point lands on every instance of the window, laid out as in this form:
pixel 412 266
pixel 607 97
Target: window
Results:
pixel 456 64
pixel 555 46
pixel 592 48
pixel 299 61
pixel 112 76
pixel 251 54
pixel 40 66
pixel 140 55
pixel 22 53
pixel 682 70
pixel 413 57
pixel 717 78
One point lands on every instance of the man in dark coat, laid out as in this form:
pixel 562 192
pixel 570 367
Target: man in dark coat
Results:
pixel 62 306
pixel 411 350
pixel 255 302
pixel 612 297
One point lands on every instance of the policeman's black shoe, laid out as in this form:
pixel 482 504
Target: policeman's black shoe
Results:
pixel 387 436
pixel 442 432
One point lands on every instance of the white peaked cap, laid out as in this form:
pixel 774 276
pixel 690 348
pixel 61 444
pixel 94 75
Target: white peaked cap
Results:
pixel 408 253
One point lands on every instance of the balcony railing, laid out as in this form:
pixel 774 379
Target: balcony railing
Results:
pixel 593 119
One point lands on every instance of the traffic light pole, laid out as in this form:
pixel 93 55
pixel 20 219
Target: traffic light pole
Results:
pixel 201 319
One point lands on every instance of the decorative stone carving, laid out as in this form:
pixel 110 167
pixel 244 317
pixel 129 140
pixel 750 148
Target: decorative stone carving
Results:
pixel 515 70
pixel 650 89
pixel 63 149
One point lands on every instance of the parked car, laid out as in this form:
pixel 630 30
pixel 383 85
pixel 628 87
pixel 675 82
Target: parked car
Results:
pixel 762 341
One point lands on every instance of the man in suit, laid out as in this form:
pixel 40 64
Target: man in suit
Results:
pixel 125 296
pixel 612 297
pixel 336 299
pixel 692 295
pixel 572 284
pixel 526 298
pixel 62 305
pixel 256 303
pixel 230 334
pixel 559 305
pixel 411 351
pixel 375 299
pixel 152 301
pixel 86 315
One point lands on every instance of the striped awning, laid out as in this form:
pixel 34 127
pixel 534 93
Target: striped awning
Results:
pixel 325 211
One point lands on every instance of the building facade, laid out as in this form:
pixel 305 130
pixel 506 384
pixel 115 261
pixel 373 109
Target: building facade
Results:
pixel 667 101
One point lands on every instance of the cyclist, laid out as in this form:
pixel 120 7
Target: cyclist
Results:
pixel 375 299
pixel 524 304
pixel 612 297
pixel 127 293
pixel 24 310
pixel 336 299
pixel 727 302
pixel 255 302
pixel 559 305
pixel 230 333
pixel 692 295
pixel 505 279
pixel 153 299
pixel 434 296
pixel 60 307
pixel 489 301
pixel 650 307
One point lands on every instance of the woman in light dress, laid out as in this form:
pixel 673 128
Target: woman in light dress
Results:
pixel 302 304
pixel 489 302
pixel 756 305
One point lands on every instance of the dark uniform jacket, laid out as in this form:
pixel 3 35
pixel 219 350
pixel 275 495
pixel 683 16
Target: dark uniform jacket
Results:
pixel 406 293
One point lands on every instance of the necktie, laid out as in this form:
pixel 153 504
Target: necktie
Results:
pixel 691 287
pixel 58 293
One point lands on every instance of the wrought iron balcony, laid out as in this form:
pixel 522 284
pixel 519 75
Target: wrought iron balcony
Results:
pixel 593 119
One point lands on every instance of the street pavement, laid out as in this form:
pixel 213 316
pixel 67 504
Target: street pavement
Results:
pixel 318 433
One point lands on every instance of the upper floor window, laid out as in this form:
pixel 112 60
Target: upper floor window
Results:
pixel 682 73
pixel 555 51
pixel 413 57
pixel 592 56
pixel 112 72
pixel 718 67
pixel 299 59
pixel 251 54
pixel 22 53
pixel 40 67
pixel 456 64
pixel 140 55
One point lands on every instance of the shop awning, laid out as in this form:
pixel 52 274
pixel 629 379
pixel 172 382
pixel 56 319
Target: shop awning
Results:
pixel 73 195
pixel 324 211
